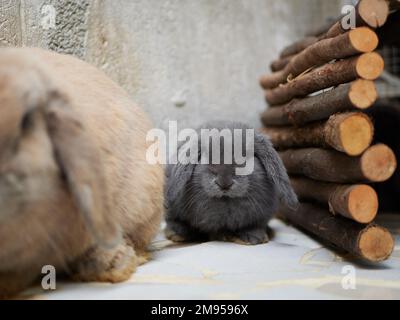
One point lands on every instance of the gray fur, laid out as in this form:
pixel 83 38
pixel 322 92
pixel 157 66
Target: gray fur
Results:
pixel 199 208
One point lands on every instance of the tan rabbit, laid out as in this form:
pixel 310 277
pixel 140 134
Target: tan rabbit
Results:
pixel 76 191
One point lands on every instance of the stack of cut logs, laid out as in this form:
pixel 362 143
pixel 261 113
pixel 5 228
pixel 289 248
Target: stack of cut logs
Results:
pixel 317 93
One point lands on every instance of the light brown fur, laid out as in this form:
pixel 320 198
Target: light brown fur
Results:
pixel 75 186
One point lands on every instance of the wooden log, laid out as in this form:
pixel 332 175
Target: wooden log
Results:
pixel 280 63
pixel 372 242
pixel 370 13
pixel 358 95
pixel 377 164
pixel 359 40
pixel 356 202
pixel 367 66
pixel 298 46
pixel 350 132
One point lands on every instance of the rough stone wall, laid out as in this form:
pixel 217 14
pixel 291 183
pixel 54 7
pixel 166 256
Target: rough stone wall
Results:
pixel 67 35
pixel 186 60
pixel 10 23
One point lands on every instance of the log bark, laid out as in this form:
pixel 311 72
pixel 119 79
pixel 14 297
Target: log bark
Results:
pixel 359 40
pixel 372 242
pixel 280 63
pixel 298 46
pixel 367 66
pixel 377 164
pixel 351 133
pixel 369 13
pixel 360 94
pixel 356 202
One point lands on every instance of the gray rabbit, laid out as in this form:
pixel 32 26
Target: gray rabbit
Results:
pixel 212 202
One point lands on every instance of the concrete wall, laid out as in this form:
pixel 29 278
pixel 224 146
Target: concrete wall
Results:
pixel 186 60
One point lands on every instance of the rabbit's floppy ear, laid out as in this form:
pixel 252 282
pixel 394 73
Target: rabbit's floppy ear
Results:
pixel 178 175
pixel 274 167
pixel 81 165
pixel 177 178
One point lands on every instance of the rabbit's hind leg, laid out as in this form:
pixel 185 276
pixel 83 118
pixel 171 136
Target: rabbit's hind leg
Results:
pixel 106 265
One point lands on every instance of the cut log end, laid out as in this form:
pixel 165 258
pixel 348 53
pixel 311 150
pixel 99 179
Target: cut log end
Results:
pixel 373 12
pixel 375 243
pixel 357 202
pixel 370 66
pixel 356 133
pixel 371 242
pixel 363 39
pixel 363 93
pixel 378 163
pixel 363 203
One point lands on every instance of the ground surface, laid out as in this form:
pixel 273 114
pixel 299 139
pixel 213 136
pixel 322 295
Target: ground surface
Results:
pixel 292 266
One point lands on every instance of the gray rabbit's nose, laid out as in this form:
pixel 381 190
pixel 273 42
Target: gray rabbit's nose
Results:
pixel 224 184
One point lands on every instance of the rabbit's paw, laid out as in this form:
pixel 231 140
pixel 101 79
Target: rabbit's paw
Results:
pixel 102 265
pixel 174 236
pixel 178 231
pixel 251 237
pixel 143 257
